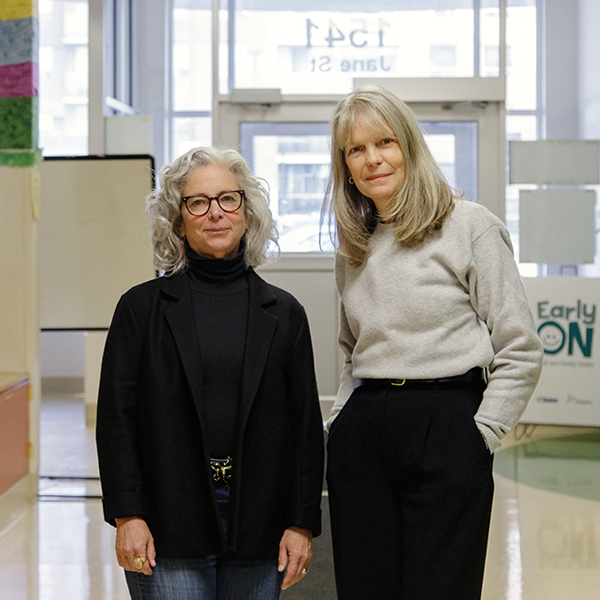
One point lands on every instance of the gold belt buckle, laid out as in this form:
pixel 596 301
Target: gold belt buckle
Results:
pixel 398 384
pixel 222 469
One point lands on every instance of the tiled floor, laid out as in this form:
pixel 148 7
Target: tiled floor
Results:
pixel 544 542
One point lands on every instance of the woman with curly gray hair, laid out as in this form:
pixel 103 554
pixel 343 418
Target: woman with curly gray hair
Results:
pixel 166 218
pixel 209 429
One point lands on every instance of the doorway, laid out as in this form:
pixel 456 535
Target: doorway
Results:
pixel 287 144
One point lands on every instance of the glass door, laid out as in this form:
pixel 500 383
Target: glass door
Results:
pixel 293 156
pixel 294 159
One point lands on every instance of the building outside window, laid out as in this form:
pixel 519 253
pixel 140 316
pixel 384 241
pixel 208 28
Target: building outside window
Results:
pixel 63 63
pixel 308 47
pixel 190 113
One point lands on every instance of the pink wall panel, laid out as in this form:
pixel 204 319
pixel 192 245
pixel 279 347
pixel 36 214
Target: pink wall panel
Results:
pixel 14 435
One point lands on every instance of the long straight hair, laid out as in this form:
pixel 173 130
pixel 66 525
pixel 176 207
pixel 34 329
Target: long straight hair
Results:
pixel 421 204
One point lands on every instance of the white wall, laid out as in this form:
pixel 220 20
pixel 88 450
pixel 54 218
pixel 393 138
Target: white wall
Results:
pixel 62 354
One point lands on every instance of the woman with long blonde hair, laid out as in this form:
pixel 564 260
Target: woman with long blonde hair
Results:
pixel 441 357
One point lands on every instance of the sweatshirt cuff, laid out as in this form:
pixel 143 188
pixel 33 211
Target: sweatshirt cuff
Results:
pixel 492 441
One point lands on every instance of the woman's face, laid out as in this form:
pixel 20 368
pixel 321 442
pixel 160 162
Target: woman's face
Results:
pixel 216 234
pixel 376 164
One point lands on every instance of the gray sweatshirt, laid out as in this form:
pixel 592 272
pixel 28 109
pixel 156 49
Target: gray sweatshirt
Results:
pixel 454 302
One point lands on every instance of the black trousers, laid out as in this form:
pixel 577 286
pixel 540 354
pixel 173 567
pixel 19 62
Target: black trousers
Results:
pixel 410 493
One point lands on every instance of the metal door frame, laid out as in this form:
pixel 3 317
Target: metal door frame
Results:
pixel 489 114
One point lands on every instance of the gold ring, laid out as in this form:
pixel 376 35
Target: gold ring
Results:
pixel 304 571
pixel 139 562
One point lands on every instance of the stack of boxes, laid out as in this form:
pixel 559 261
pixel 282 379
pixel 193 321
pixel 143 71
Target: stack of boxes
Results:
pixel 19 83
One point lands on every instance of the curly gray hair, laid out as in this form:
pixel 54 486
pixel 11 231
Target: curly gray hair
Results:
pixel 163 209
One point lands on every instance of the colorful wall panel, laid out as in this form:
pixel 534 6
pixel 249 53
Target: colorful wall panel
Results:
pixel 19 83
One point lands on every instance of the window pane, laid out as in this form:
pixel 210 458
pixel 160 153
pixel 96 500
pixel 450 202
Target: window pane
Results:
pixel 318 47
pixel 489 48
pixel 63 77
pixel 521 94
pixel 191 58
pixel 190 132
pixel 521 128
pixel 294 159
pixel 521 55
pixel 518 127
pixel 454 147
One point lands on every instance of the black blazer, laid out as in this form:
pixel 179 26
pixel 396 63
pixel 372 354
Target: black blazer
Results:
pixel 151 445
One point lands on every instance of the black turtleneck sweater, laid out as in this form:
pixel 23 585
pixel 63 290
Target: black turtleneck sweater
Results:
pixel 220 300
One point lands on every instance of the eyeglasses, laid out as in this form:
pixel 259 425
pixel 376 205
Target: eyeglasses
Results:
pixel 228 202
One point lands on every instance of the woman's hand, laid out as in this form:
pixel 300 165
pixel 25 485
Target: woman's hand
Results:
pixel 134 540
pixel 295 554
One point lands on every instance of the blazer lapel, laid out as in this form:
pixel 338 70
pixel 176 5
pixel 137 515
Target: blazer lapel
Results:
pixel 180 318
pixel 259 335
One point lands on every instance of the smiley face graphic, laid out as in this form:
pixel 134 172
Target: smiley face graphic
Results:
pixel 552 336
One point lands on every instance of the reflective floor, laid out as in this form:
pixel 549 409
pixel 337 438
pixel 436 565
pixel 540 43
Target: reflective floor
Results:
pixel 62 549
pixel 545 535
pixel 544 541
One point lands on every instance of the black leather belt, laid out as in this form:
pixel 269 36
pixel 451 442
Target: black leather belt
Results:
pixel 474 375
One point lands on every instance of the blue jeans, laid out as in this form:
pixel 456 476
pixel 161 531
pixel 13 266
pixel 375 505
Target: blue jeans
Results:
pixel 210 578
